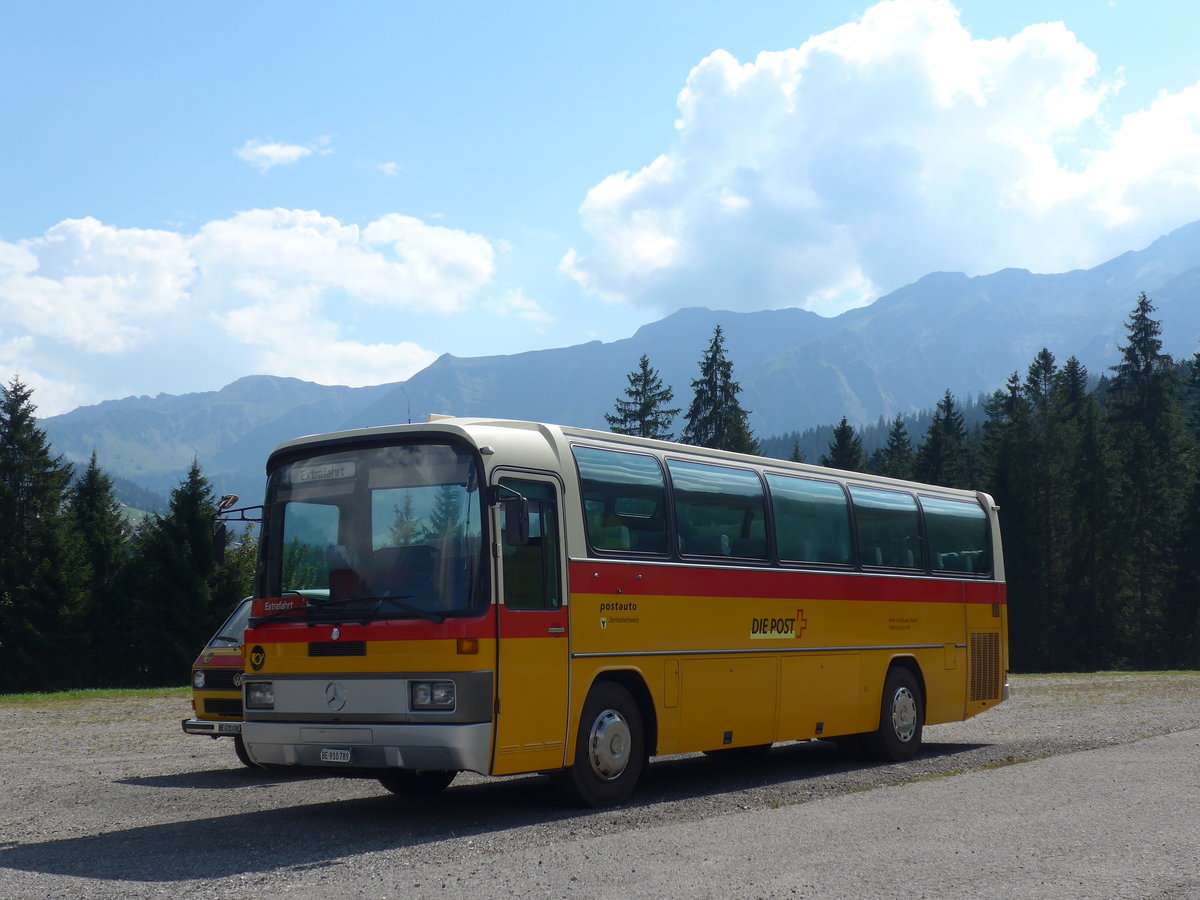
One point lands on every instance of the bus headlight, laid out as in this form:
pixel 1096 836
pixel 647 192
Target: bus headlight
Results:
pixel 260 695
pixel 432 695
pixel 198 679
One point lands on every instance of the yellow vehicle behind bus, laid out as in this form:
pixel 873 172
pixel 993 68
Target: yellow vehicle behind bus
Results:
pixel 217 683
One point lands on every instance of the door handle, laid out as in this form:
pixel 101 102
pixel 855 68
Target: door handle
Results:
pixel 556 629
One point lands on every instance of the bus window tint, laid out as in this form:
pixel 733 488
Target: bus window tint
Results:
pixel 310 530
pixel 624 500
pixel 531 574
pixel 812 520
pixel 889 528
pixel 719 511
pixel 958 536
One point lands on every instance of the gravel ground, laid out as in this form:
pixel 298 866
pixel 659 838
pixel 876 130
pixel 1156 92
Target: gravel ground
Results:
pixel 108 798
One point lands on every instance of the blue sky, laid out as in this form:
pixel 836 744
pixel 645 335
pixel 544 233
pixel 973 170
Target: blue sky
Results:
pixel 198 192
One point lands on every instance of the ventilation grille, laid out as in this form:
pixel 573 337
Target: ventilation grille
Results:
pixel 221 679
pixel 338 648
pixel 229 708
pixel 984 649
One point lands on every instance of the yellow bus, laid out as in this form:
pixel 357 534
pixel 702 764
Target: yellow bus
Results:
pixel 508 597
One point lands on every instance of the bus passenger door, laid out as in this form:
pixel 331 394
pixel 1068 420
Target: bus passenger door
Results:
pixel 531 669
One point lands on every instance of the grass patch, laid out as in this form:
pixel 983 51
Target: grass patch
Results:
pixel 72 698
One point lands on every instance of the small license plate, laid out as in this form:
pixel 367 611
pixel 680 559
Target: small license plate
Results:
pixel 335 754
pixel 229 728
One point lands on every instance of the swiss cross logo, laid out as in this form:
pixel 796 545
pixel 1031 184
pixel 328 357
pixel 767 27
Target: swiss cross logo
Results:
pixel 801 624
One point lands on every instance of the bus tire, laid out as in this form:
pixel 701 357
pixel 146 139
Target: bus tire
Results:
pixel 901 715
pixel 239 747
pixel 417 782
pixel 609 749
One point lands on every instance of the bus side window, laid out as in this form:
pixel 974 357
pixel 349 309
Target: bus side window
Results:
pixel 624 500
pixel 889 528
pixel 532 577
pixel 958 536
pixel 812 520
pixel 719 510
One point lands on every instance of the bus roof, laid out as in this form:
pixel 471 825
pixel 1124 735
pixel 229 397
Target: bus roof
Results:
pixel 509 437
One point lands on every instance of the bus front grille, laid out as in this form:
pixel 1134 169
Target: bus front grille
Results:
pixel 338 648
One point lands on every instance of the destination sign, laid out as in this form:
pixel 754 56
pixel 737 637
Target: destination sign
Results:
pixel 325 472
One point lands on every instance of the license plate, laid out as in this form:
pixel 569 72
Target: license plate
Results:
pixel 229 728
pixel 335 755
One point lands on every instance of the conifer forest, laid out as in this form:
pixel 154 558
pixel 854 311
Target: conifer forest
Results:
pixel 1097 475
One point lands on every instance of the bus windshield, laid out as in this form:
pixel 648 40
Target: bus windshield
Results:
pixel 377 532
pixel 230 633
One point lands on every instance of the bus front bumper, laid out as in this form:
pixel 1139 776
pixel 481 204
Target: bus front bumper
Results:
pixel 369 746
pixel 211 727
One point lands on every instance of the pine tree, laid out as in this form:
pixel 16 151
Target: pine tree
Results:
pixel 103 532
pixel 944 457
pixel 1154 453
pixel 645 413
pixel 447 512
pixel 406 527
pixel 896 458
pixel 172 576
pixel 235 576
pixel 845 450
pixel 715 418
pixel 42 574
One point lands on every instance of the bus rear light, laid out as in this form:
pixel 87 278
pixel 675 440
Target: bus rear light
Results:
pixel 260 695
pixel 439 695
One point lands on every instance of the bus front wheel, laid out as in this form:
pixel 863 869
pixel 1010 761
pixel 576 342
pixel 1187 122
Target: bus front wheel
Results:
pixel 609 749
pixel 901 715
pixel 417 782
pixel 239 747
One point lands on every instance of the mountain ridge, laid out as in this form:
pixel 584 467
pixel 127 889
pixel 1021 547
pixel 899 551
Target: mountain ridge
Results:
pixel 947 330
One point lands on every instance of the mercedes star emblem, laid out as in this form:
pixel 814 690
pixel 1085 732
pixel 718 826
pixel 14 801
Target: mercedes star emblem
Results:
pixel 335 696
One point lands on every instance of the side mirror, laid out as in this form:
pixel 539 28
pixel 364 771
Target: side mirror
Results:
pixel 516 521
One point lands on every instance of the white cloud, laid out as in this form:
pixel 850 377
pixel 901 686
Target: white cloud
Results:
pixel 93 287
pixel 896 145
pixel 285 292
pixel 394 261
pixel 264 155
pixel 393 169
pixel 515 303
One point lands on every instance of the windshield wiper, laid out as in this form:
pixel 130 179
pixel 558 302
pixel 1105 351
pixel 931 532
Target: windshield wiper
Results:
pixel 373 611
pixel 323 609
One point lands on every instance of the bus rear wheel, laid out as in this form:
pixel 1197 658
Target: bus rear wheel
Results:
pixel 417 782
pixel 610 749
pixel 901 715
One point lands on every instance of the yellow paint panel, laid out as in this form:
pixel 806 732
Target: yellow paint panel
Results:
pixel 728 702
pixel 531 723
pixel 821 696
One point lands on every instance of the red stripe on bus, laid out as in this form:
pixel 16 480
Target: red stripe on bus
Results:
pixel 639 579
pixel 283 631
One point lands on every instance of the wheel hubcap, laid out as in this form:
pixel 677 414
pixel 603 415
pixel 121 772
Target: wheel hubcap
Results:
pixel 609 745
pixel 904 714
